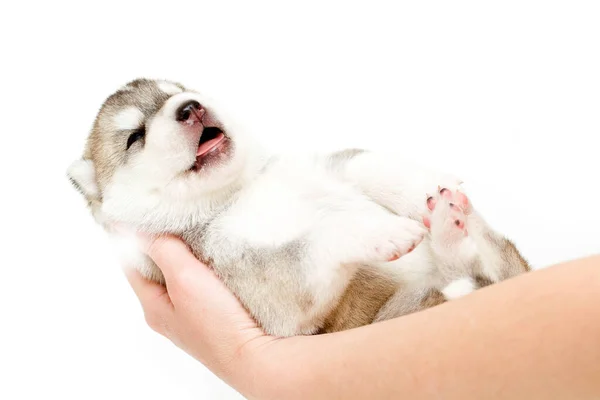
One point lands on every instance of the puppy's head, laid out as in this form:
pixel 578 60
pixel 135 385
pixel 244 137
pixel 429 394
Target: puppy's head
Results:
pixel 157 156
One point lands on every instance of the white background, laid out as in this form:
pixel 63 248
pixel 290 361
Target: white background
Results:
pixel 505 95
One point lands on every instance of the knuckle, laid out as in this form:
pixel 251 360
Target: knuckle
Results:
pixel 155 321
pixel 154 245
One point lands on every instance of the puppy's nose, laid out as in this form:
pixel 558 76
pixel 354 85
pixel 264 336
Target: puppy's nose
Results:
pixel 189 111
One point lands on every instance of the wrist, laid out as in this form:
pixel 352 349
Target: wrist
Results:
pixel 272 368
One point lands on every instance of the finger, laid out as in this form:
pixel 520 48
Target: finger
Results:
pixel 152 296
pixel 175 259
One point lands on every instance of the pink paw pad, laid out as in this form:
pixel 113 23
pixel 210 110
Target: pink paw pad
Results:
pixel 458 203
pixel 427 222
pixel 394 257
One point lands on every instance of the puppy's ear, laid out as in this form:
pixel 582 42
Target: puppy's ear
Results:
pixel 82 175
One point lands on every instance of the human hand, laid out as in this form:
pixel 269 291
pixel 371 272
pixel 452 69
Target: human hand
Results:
pixel 199 314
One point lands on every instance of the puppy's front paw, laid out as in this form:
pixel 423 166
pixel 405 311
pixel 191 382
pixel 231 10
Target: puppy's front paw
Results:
pixel 393 238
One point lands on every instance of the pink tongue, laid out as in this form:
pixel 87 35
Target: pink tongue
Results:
pixel 208 146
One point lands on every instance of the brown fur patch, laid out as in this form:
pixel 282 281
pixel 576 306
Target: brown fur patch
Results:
pixel 366 294
pixel 482 281
pixel 513 257
pixel 433 298
pixel 513 263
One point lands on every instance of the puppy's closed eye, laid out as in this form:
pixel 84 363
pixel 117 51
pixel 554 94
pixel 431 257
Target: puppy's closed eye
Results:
pixel 137 135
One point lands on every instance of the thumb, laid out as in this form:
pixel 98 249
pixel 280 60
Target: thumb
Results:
pixel 185 276
pixel 170 253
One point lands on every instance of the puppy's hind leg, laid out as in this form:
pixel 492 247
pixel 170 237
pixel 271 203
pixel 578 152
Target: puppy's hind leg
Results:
pixel 390 182
pixel 469 253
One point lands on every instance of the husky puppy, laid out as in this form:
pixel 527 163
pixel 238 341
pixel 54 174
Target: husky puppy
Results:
pixel 308 244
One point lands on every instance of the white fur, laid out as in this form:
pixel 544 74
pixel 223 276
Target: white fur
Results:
pixel 129 118
pixel 169 88
pixel 83 173
pixel 459 288
pixel 491 259
pixel 298 199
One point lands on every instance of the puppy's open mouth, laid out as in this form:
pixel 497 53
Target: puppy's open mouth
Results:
pixel 212 141
pixel 209 140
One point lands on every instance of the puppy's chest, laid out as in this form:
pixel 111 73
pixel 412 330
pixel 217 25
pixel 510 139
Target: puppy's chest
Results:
pixel 281 206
